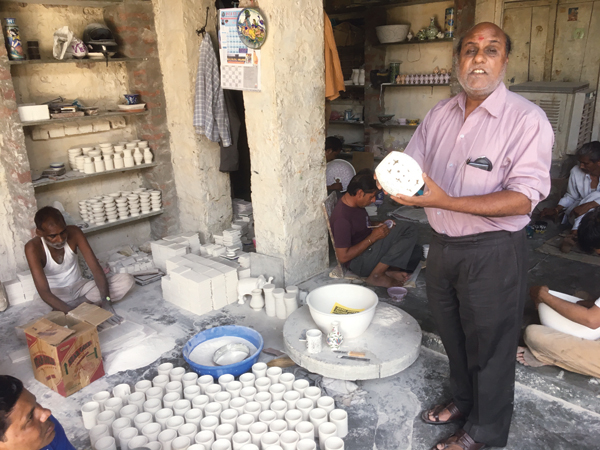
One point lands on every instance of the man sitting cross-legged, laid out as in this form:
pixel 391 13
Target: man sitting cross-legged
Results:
pixel 52 259
pixel 369 250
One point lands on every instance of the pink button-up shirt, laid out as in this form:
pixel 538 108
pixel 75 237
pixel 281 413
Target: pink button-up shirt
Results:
pixel 512 132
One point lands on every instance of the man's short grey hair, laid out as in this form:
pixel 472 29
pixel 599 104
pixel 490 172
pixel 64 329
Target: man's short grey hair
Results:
pixel 591 150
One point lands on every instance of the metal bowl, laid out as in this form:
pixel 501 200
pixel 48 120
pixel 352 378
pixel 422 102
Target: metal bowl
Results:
pixel 385 117
pixel 231 354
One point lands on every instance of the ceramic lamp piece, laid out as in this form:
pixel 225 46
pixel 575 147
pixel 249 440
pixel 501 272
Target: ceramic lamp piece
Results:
pixel 399 173
pixel 339 170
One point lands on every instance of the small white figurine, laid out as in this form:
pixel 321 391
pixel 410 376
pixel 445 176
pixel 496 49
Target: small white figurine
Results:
pixel 409 36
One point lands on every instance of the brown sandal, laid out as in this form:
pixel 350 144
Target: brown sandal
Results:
pixel 455 414
pixel 460 441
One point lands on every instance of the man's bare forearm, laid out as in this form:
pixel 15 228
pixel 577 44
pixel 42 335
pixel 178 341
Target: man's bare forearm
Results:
pixel 496 204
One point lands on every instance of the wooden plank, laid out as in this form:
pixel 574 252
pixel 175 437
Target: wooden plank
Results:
pixel 28 62
pixel 591 54
pixel 553 10
pixel 526 4
pixel 99 116
pixel 82 3
pixel 568 51
pixel 77 176
pixel 539 37
pixel 517 24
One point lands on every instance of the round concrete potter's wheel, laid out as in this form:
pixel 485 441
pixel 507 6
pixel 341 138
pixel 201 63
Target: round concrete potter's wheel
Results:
pixel 391 342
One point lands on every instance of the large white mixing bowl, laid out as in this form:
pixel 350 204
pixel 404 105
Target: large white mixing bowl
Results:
pixel 321 301
pixel 388 34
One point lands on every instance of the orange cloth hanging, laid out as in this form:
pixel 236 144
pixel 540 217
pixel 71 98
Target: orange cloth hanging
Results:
pixel 334 78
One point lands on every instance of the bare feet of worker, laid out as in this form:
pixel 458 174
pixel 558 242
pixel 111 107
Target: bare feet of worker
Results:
pixel 398 275
pixel 383 280
pixel 525 357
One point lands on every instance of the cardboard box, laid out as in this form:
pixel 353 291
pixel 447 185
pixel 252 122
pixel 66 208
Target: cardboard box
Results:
pixel 65 349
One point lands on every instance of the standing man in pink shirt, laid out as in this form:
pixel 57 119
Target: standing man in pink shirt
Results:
pixel 486 157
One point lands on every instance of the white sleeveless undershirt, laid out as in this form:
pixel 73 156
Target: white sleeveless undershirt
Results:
pixel 65 274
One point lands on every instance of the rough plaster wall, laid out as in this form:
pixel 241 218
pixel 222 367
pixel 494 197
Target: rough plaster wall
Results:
pixel 203 192
pixel 487 11
pixel 286 137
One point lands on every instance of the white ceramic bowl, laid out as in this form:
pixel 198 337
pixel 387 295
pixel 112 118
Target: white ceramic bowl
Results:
pixel 322 300
pixel 388 34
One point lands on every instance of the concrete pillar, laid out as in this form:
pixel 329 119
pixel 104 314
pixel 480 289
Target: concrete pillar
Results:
pixel 17 199
pixel 285 123
pixel 203 192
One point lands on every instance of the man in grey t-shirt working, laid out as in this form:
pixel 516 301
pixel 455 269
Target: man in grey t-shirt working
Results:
pixel 371 250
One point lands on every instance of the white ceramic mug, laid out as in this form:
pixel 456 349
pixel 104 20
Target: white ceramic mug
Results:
pixel 288 440
pixel 152 406
pixel 265 400
pixel 278 426
pixel 106 443
pixel 273 373
pixel 306 444
pixel 129 411
pixel 220 444
pixel 174 386
pixel 162 416
pixel 151 431
pixel 137 442
pixel 305 430
pixel 305 406
pixel 166 437
pixel 170 399
pixel 262 384
pixel 287 379
pixel 113 404
pixel 252 408
pixel 180 443
pixel 277 390
pixel 300 386
pixel 313 393
pixel 317 416
pixel 142 386
pixel 204 381
pixel 106 417
pixel 193 416
pixel 238 404
pixel 89 413
pixel 327 403
pixel 229 416
pixel 191 392
pixel 244 421
pixel 180 407
pixel 200 401
pixel 119 425
pixel 224 431
pixel 240 439
pixel 259 370
pixel 223 398
pixel 234 388
pixel 256 430
pixel 313 340
pixel 291 397
pixel 205 438
pixel 141 420
pixel 339 417
pixel 100 398
pixel 156 392
pixel 99 431
pixel 247 379
pixel 189 379
pixel 212 390
pixel 225 379
pixel 213 409
pixel 164 368
pixel 175 422
pixel 269 439
pixel 326 430
pixel 293 417
pixel 334 443
pixel 160 381
pixel 279 407
pixel 126 435
pixel 188 429
pixel 209 423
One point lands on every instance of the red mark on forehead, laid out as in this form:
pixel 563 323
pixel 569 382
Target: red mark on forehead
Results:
pixel 481 38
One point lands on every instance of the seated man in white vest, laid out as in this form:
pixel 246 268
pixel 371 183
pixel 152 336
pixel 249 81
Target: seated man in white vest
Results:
pixel 52 259
pixel 547 346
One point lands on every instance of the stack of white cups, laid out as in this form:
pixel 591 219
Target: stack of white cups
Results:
pixel 263 409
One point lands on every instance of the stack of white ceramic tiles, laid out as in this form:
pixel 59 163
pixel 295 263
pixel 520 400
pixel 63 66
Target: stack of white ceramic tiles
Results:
pixel 212 249
pixel 14 292
pixel 28 285
pixel 231 238
pixel 172 246
pixel 199 284
pixel 138 262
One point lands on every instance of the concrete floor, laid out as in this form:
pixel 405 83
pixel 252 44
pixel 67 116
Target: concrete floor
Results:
pixel 553 409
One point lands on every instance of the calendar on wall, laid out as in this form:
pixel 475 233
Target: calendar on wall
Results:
pixel 240 65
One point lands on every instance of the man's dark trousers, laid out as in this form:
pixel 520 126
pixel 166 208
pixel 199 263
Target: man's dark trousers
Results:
pixel 476 287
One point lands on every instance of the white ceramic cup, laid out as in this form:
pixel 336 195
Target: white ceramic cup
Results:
pixel 277 390
pixel 188 429
pixel 160 381
pixel 234 388
pixel 205 438
pixel 339 417
pixel 137 399
pixel 100 398
pixel 119 425
pixel 306 444
pixel 189 379
pixel 123 391
pixel 326 430
pixel 106 443
pixel 224 431
pixel 137 442
pixel 238 404
pixel 262 384
pixel 175 422
pixel 288 440
pixel 193 416
pixel 180 407
pixel 213 409
pixel 287 379
pixel 225 379
pixel 129 411
pixel 141 420
pixel 259 370
pixel 269 439
pixel 170 399
pixel 313 393
pixel 327 403
pixel 317 416
pixel 305 430
pixel 256 430
pixel 99 431
pixel 334 443
pixel 291 397
pixel 126 435
pixel 247 379
pixel 180 443
pixel 162 416
pixel 265 400
pixel 278 426
pixel 155 445
pixel 209 423
pixel 106 417
pixel 212 390
pixel 300 386
pixel 151 431
pixel 292 417
pixel 200 401
pixel 229 416
pixel 223 398
pixel 114 404
pixel 152 406
pixel 244 421
pixel 240 439
pixel 267 416
pixel 156 392
pixel 250 447
pixel 174 386
pixel 273 373
pixel 279 407
pixel 166 437
pixel 204 381
pixel 89 413
pixel 142 386
pixel 313 340
pixel 252 408
pixel 164 368
pixel 221 444
pixel 248 393
pixel 191 392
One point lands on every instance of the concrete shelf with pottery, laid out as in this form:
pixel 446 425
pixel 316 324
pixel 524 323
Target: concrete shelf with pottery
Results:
pixel 104 226
pixel 82 3
pixel 78 176
pixel 102 115
pixel 391 125
pixel 433 41
pixel 346 122
pixel 74 61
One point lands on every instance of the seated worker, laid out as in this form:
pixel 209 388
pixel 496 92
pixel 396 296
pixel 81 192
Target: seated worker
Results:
pixel 52 259
pixel 333 147
pixel 583 192
pixel 24 424
pixel 546 346
pixel 374 251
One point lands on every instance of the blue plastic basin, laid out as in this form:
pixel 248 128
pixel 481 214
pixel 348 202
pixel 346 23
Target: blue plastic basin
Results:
pixel 228 330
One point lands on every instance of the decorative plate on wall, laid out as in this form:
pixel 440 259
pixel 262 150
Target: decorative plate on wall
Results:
pixel 252 28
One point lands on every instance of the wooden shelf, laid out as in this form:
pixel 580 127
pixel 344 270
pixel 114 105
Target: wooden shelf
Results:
pixel 354 86
pixel 78 176
pixel 391 125
pixel 416 41
pixel 357 7
pixel 83 3
pixel 346 122
pixel 94 228
pixel 100 115
pixel 394 85
pixel 86 60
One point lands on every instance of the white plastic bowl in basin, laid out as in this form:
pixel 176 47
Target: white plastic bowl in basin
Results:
pixel 321 301
pixel 552 319
pixel 388 34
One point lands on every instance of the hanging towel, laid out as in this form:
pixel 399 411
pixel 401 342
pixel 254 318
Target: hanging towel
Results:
pixel 334 78
pixel 210 112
